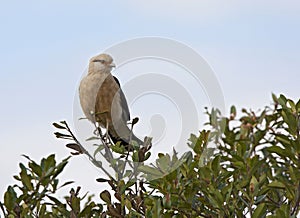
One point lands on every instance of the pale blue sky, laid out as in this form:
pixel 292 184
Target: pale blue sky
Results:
pixel 254 49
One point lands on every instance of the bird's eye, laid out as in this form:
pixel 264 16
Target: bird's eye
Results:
pixel 101 61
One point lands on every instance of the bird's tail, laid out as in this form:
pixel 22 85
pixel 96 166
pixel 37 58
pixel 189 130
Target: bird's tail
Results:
pixel 123 137
pixel 125 142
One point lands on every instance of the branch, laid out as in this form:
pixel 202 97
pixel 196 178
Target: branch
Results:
pixel 84 151
pixel 3 210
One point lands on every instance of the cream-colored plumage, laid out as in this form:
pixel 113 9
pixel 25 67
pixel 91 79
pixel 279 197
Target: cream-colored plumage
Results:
pixel 103 101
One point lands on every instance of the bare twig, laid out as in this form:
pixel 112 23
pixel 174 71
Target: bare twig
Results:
pixel 91 158
pixel 3 210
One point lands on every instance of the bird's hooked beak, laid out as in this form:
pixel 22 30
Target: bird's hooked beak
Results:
pixel 112 65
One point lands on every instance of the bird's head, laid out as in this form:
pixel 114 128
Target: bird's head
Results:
pixel 102 63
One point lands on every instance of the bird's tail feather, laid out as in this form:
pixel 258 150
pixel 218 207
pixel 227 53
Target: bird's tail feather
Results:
pixel 124 142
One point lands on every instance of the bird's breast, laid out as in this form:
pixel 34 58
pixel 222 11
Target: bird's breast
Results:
pixel 100 99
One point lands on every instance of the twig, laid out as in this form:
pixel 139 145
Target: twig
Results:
pixel 104 143
pixel 3 210
pixel 91 158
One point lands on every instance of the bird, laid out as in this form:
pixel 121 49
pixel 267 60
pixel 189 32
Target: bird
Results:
pixel 103 101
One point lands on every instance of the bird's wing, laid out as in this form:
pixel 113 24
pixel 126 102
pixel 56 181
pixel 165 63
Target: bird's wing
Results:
pixel 124 105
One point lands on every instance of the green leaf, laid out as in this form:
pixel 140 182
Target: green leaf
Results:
pixel 37 169
pixel 26 179
pixel 92 138
pixel 63 136
pixel 105 196
pixel 102 180
pixel 98 150
pixel 49 172
pixel 282 101
pixel 128 204
pixel 54 185
pixel 127 173
pixel 292 105
pixel 56 125
pixel 215 165
pixel 283 139
pixel 277 184
pixel 298 106
pixel 56 201
pixel 66 183
pixel 150 171
pixel 260 199
pixel 259 135
pixel 163 163
pixel 148 154
pixel 260 211
pixel 86 212
pixel 232 112
pixel 10 198
pixel 254 181
pixel 198 144
pixel 274 97
pixel 238 164
pixel 17 178
pixel 291 121
pixel 60 167
pixel 275 149
pixel 42 210
pixel 135 120
pixel 75 203
pixel 75 147
pixel 135 156
pixel 218 197
pixel 27 157
pixel 118 148
pixel 126 186
pixel 48 162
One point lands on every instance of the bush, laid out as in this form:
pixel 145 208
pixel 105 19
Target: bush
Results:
pixel 237 167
